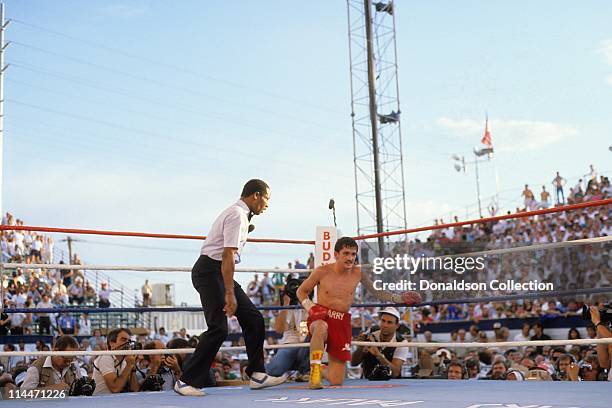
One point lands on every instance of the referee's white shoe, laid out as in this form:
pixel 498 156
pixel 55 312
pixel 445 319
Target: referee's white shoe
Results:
pixel 263 380
pixel 187 390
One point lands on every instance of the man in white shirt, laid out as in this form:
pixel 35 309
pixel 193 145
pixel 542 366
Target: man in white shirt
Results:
pixel 391 357
pixel 221 297
pixel 115 374
pixel 44 321
pixel 54 372
pixel 84 325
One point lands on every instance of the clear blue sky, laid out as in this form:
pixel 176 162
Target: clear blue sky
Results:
pixel 149 115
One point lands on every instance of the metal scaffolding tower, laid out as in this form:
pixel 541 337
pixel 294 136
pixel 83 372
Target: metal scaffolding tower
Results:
pixel 375 111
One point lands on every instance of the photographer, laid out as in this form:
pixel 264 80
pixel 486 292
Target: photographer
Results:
pixel 602 326
pixel 288 323
pixel 54 372
pixel 377 361
pixel 114 374
pixel 161 371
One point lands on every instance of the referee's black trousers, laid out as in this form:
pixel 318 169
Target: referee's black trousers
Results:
pixel 208 281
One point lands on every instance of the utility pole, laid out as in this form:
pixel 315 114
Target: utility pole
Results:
pixel 69 240
pixel 3 25
pixel 3 46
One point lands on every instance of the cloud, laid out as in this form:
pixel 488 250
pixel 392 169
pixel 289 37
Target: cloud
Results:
pixel 511 135
pixel 606 51
pixel 609 79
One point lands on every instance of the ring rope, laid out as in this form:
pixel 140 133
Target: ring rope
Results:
pixel 597 203
pixel 534 247
pixel 526 214
pixel 140 268
pixel 484 299
pixel 507 344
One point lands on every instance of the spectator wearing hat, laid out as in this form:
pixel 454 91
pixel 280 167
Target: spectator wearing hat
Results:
pixel 392 357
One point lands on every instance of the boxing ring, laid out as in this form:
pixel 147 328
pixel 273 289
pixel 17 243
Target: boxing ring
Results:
pixel 424 393
pixel 363 393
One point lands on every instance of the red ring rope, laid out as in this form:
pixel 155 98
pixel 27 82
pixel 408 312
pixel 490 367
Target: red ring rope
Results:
pixel 597 203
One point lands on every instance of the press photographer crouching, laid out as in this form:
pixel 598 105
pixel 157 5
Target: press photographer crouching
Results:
pixel 114 374
pixel 602 320
pixel 160 371
pixel 292 325
pixel 382 363
pixel 59 372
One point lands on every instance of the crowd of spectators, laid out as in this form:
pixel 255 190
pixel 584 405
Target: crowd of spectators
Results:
pixel 41 288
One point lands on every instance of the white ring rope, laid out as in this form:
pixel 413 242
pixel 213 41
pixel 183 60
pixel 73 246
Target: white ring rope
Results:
pixel 507 344
pixel 140 268
pixel 534 247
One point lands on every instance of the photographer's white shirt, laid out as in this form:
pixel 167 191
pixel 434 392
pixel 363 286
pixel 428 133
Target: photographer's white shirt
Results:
pixel 106 365
pixel 292 334
pixel 400 352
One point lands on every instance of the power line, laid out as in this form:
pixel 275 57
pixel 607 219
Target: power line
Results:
pixel 113 90
pixel 179 68
pixel 173 87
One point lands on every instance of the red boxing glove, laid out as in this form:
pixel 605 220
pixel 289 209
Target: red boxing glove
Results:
pixel 411 298
pixel 317 312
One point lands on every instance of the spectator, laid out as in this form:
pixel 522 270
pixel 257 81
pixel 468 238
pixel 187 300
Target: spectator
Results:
pixel 104 295
pixel 89 294
pixel 538 330
pixel 5 322
pixel 76 292
pixel 558 182
pixel 97 340
pixel 115 374
pixel 392 357
pixel 44 321
pixel 54 372
pixel 18 321
pixel 311 261
pixel 544 198
pixel 66 324
pixel 455 371
pixel 227 373
pixel 162 336
pixel 498 371
pixel 147 293
pixel 529 198
pixel 84 325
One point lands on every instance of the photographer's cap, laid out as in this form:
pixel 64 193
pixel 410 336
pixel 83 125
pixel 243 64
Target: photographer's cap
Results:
pixel 391 311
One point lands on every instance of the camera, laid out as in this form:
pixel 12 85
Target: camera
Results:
pixel 291 288
pixel 82 386
pixel 153 382
pixel 605 314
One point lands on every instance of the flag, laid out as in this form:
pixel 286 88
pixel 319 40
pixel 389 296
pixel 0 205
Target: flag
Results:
pixel 486 139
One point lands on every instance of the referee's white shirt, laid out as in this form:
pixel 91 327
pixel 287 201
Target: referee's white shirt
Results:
pixel 229 230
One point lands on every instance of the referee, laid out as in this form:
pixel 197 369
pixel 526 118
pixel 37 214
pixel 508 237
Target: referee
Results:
pixel 213 277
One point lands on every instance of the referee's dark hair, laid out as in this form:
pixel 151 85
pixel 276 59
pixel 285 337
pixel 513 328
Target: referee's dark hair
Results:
pixel 254 186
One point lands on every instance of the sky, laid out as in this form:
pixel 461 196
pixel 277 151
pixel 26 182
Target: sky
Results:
pixel 150 116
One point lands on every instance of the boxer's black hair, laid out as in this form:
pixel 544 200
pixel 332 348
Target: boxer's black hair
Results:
pixel 345 242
